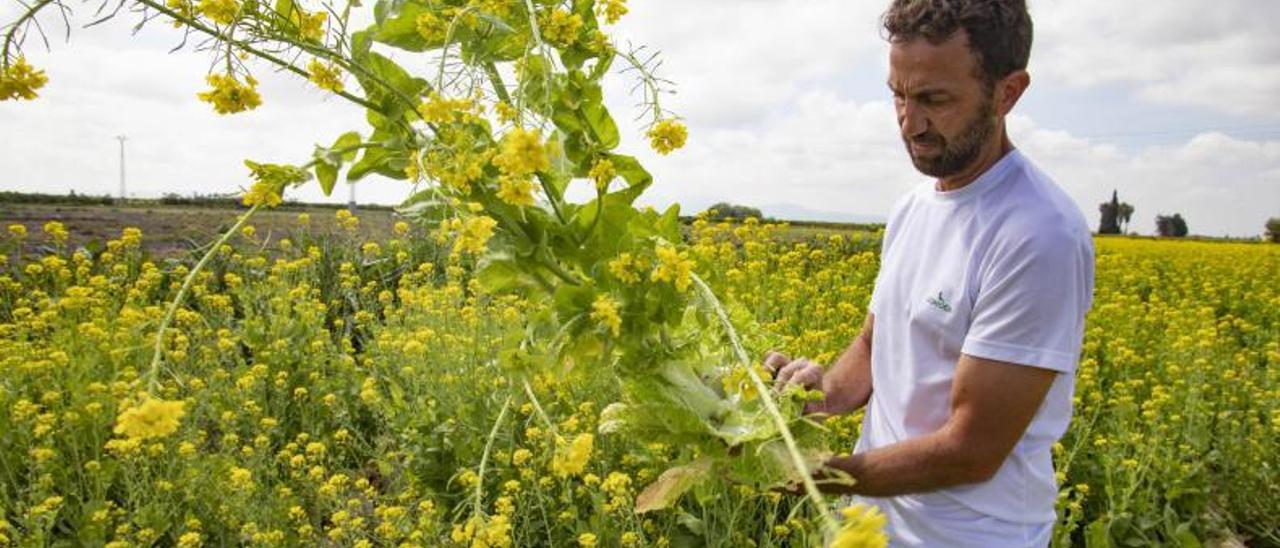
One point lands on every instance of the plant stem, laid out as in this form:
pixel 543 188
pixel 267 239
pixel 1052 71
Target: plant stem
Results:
pixel 153 372
pixel 496 80
pixel 528 390
pixel 484 457
pixel 806 477
pixel 248 48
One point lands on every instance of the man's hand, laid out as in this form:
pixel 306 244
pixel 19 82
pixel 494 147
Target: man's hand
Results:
pixel 787 371
pixel 846 385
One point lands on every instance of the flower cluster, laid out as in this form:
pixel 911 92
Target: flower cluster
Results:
pixel 605 311
pixel 222 12
pixel 229 95
pixel 673 267
pixel 571 458
pixel 611 10
pixel 560 28
pixel 325 76
pixel 667 135
pixel 863 528
pixel 152 418
pixel 20 81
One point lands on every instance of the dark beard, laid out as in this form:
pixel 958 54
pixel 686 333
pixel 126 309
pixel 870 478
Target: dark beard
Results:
pixel 962 152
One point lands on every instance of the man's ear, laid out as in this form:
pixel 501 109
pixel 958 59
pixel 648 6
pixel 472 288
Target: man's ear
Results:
pixel 1009 89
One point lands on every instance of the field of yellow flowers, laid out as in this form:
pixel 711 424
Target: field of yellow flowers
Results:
pixel 320 389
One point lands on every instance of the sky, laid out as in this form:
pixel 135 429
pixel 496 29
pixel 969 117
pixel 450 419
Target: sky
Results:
pixel 1175 108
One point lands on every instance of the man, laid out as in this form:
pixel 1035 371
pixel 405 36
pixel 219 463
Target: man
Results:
pixel 965 362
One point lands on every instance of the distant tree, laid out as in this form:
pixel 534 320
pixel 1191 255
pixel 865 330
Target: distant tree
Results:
pixel 1109 224
pixel 1171 225
pixel 725 210
pixel 1123 214
pixel 1273 230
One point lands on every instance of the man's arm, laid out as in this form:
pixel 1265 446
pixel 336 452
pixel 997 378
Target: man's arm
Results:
pixel 847 384
pixel 992 402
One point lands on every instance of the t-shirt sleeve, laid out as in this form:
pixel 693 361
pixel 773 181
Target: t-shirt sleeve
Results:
pixel 1031 302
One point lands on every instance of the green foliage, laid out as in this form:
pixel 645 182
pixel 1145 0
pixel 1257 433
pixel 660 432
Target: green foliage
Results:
pixel 725 210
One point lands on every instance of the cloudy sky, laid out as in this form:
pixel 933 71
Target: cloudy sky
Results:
pixel 1175 107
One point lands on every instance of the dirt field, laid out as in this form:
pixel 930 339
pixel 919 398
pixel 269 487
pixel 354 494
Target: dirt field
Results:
pixel 172 230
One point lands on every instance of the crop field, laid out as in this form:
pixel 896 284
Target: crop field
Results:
pixel 525 355
pixel 337 390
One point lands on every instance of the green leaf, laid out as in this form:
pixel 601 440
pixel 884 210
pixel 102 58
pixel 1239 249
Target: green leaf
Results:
pixel 283 21
pixel 500 272
pixel 347 140
pixel 630 170
pixel 373 159
pixel 1097 534
pixel 671 484
pixel 327 175
pixel 390 86
pixel 597 117
pixel 401 29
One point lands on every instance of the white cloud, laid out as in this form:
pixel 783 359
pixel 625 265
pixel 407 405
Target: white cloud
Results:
pixel 1216 55
pixel 761 85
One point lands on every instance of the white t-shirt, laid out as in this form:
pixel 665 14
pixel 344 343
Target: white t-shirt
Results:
pixel 1002 269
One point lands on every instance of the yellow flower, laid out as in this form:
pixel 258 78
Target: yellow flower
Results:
pixel 150 419
pixel 521 456
pixel 190 539
pixel 474 234
pixel 605 311
pixel 325 76
pixel 229 96
pixel 20 80
pixel 571 459
pixel 674 267
pixel 439 110
pixel 587 540
pixel 269 182
pixel 431 28
pixel 630 538
pixel 506 112
pixel 863 528
pixel 310 25
pixel 131 237
pixel 522 153
pixel 602 173
pixel 611 10
pixel 517 191
pixel 222 12
pixel 18 231
pixel 400 228
pixel 667 135
pixel 57 231
pixel 561 27
pixel 241 478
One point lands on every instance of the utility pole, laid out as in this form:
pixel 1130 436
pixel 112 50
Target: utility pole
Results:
pixel 351 202
pixel 122 139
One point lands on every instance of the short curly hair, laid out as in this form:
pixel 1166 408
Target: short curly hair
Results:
pixel 999 30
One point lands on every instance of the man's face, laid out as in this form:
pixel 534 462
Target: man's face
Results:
pixel 945 111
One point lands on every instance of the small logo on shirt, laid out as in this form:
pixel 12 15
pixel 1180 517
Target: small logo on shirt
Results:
pixel 940 302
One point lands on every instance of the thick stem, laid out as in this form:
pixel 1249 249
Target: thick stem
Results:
pixel 528 390
pixel 484 457
pixel 153 382
pixel 797 459
pixel 495 79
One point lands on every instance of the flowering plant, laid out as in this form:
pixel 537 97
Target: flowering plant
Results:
pixel 510 117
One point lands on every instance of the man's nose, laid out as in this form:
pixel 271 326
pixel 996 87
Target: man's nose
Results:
pixel 911 119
